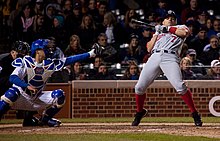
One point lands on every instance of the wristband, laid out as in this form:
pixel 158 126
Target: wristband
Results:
pixel 172 29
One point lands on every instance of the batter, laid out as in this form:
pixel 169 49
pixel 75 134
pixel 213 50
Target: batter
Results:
pixel 165 46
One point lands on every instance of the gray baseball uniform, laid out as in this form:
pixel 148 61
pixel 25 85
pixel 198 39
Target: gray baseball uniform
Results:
pixel 165 58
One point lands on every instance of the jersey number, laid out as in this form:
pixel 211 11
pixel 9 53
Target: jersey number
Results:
pixel 174 38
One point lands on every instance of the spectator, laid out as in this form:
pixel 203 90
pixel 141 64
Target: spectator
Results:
pixel 197 67
pixel 84 6
pixel 23 24
pixel 199 42
pixel 216 28
pixel 50 12
pixel 130 14
pixel 39 7
pixel 151 17
pixel 73 20
pixel 162 8
pixel 131 27
pixel 58 32
pixel 213 73
pixel 185 66
pixel 146 36
pixel 87 32
pixel 74 46
pixel 193 27
pixel 209 24
pixel 39 31
pixel 15 13
pixel 114 31
pixel 190 11
pixel 109 54
pixel 132 72
pixel 103 74
pixel 133 52
pixel 92 9
pixel 213 51
pixel 77 72
pixel 54 52
pixel 102 8
pixel 67 8
pixel 202 17
pixel 94 67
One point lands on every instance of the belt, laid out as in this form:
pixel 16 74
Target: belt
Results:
pixel 165 51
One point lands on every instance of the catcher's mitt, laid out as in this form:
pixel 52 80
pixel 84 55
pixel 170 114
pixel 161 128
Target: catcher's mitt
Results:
pixel 98 49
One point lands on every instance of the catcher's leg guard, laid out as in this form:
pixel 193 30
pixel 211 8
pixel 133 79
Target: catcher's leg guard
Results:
pixel 4 107
pixel 7 100
pixel 47 118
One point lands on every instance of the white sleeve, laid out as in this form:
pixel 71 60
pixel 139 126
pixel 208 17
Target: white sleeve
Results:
pixel 20 72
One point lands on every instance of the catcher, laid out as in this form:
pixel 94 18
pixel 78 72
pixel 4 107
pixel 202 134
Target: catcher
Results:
pixel 29 79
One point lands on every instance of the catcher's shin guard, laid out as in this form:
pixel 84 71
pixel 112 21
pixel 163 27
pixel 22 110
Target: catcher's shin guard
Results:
pixel 47 118
pixel 7 100
pixel 4 107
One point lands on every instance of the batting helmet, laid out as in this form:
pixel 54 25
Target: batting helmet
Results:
pixel 39 44
pixel 170 13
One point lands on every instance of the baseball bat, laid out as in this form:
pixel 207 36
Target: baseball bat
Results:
pixel 141 23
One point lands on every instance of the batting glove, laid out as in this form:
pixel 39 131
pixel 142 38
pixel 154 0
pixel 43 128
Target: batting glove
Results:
pixel 164 29
pixel 157 29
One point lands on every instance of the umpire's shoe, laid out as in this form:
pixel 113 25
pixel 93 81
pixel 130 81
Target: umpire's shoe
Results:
pixel 197 119
pixel 138 117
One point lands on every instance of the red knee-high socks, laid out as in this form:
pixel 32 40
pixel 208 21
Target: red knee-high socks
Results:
pixel 140 101
pixel 187 98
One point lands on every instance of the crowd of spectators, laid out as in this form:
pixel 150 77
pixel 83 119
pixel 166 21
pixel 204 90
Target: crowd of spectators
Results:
pixel 73 26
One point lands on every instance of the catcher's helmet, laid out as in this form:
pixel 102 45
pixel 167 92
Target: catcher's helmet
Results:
pixel 21 47
pixel 39 44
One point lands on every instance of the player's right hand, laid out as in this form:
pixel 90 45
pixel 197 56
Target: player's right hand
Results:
pixel 32 89
pixel 158 28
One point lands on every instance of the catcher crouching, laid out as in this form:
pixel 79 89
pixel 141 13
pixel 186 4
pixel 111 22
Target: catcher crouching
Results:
pixel 29 79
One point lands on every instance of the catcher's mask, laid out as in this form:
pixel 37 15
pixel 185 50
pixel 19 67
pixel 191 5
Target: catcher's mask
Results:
pixel 39 44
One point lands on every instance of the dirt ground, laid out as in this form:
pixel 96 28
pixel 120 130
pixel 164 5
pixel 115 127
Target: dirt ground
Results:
pixel 211 130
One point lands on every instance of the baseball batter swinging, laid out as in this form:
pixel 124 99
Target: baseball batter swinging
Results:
pixel 165 46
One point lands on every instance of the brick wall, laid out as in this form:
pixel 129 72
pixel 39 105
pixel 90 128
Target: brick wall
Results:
pixel 116 99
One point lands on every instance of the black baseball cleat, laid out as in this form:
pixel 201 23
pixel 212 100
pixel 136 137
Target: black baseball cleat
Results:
pixel 197 119
pixel 138 117
pixel 33 121
pixel 51 122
